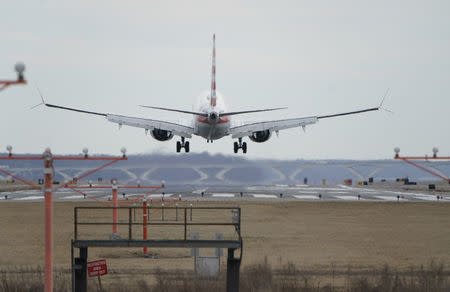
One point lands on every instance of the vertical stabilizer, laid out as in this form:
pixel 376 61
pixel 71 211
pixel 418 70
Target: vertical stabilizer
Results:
pixel 213 74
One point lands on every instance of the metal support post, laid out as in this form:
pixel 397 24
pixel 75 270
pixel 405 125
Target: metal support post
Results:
pixel 185 224
pixel 48 183
pixel 130 224
pixel 81 271
pixel 115 233
pixel 233 266
pixel 75 223
pixel 144 223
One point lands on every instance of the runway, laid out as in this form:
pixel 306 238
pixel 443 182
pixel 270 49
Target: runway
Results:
pixel 276 193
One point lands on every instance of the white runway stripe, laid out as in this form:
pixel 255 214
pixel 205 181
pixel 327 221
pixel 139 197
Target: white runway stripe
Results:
pixel 347 198
pixel 425 197
pixel 306 197
pixel 160 195
pixel 73 197
pixel 224 195
pixel 30 198
pixel 262 196
pixel 387 198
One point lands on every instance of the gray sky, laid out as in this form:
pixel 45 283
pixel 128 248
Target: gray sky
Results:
pixel 315 57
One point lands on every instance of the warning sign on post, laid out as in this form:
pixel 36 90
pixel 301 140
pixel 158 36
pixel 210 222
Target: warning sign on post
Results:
pixel 97 268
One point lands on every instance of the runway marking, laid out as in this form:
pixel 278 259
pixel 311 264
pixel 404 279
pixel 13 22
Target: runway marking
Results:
pixel 199 191
pixel 160 196
pixel 31 198
pixel 306 197
pixel 331 193
pixel 425 197
pixel 386 198
pixel 224 195
pixel 262 196
pixel 73 197
pixel 347 198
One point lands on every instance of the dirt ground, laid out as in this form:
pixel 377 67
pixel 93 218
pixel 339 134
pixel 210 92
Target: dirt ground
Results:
pixel 308 234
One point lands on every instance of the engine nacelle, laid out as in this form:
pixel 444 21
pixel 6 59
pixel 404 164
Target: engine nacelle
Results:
pixel 260 136
pixel 161 135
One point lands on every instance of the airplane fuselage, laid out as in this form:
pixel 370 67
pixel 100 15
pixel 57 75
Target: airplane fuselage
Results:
pixel 214 126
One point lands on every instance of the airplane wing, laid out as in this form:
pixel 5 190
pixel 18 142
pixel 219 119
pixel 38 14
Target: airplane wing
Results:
pixel 277 125
pixel 149 124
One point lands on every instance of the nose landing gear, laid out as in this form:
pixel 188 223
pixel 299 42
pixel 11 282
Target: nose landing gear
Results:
pixel 183 144
pixel 240 145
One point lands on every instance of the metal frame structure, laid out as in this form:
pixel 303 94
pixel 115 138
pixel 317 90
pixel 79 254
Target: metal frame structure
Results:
pixel 48 191
pixel 79 264
pixel 408 159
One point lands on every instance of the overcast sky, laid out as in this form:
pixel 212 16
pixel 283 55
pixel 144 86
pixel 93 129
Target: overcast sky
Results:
pixel 314 57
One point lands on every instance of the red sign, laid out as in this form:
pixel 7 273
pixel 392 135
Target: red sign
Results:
pixel 97 268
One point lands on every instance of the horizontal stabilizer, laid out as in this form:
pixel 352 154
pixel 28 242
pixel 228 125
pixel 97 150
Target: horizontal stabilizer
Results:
pixel 175 110
pixel 252 111
pixel 206 115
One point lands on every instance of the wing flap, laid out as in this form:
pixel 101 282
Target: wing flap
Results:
pixel 248 129
pixel 177 129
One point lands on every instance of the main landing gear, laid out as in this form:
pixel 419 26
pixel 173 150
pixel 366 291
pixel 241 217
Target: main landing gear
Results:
pixel 240 145
pixel 183 144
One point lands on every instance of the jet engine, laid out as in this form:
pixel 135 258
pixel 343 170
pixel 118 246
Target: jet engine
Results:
pixel 260 136
pixel 161 135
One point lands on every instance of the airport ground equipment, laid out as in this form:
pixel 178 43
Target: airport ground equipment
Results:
pixel 408 159
pixel 89 221
pixel 20 68
pixel 48 189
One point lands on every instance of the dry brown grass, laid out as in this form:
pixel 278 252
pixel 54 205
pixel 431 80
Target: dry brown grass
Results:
pixel 254 278
pixel 312 236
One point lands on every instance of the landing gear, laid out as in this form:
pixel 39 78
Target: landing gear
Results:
pixel 183 144
pixel 240 145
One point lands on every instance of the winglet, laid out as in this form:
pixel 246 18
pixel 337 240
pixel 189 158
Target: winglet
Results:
pixel 213 74
pixel 382 102
pixel 384 97
pixel 42 98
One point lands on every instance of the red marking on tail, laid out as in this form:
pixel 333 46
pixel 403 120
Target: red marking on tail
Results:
pixel 213 74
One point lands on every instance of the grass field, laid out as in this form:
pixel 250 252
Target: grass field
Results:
pixel 313 236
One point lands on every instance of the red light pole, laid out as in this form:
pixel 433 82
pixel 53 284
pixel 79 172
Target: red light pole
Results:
pixel 115 233
pixel 48 183
pixel 144 225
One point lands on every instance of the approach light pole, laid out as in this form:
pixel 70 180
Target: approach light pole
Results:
pixel 20 68
pixel 48 183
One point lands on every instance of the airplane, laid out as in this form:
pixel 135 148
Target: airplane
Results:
pixel 211 121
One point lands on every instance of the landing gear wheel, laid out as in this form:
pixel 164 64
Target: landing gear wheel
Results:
pixel 236 147
pixel 244 147
pixel 178 146
pixel 186 147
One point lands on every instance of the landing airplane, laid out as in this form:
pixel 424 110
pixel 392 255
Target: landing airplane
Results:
pixel 211 121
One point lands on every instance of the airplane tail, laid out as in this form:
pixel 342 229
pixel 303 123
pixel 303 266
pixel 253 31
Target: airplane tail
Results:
pixel 213 74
